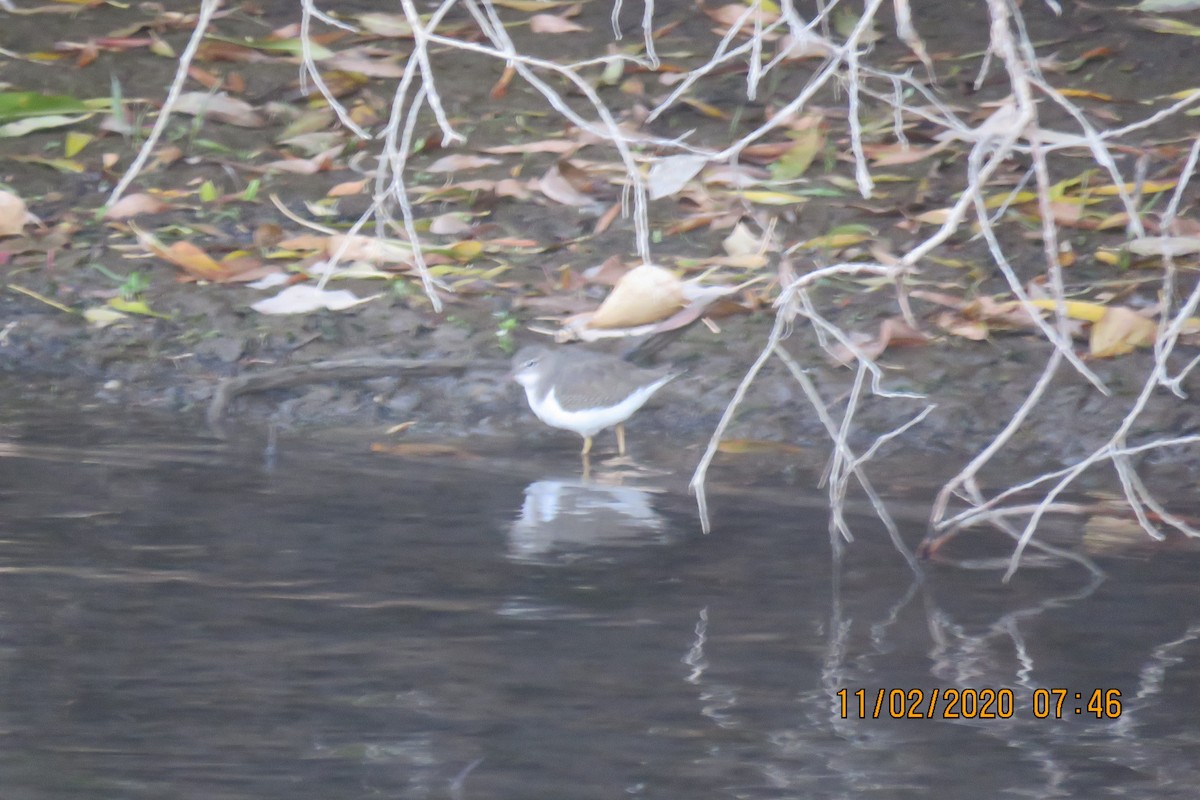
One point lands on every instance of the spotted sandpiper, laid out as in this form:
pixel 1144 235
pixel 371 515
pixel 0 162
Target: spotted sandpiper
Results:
pixel 578 390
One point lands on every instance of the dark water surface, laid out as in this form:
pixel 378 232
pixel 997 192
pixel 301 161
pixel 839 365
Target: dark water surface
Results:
pixel 181 619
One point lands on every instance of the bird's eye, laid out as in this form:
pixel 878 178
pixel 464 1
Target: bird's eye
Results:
pixel 530 363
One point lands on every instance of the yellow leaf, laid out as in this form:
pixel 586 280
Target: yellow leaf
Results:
pixel 1109 257
pixel 1076 309
pixel 134 307
pixel 834 241
pixel 466 250
pixel 1148 187
pixel 1086 93
pixel 74 142
pixel 707 109
pixel 1020 198
pixel 769 198
pixel 103 316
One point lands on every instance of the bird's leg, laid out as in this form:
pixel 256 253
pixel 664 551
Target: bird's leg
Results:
pixel 587 446
pixel 621 438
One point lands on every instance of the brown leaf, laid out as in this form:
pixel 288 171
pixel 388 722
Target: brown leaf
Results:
pixel 893 332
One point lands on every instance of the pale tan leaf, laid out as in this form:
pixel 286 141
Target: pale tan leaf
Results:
pixel 559 189
pixel 549 23
pixel 460 161
pixel 558 146
pixel 13 214
pixel 347 188
pixel 741 242
pixel 669 175
pixel 304 298
pixel 645 294
pixel 1121 330
pixel 131 205
pixel 219 107
pixel 450 224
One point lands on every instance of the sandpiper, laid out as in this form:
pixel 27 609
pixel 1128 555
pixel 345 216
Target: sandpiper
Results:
pixel 585 392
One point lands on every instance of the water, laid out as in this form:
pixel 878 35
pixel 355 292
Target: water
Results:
pixel 183 619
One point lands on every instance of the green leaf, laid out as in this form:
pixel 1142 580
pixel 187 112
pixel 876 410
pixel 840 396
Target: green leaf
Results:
pixel 19 105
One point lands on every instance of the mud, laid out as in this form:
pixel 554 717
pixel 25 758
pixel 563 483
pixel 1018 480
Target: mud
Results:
pixel 174 365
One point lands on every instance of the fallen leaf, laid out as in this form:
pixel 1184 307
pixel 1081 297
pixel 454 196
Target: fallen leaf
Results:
pixel 13 214
pixel 559 146
pixel 555 185
pixel 799 157
pixel 24 126
pixel 347 188
pixel 392 26
pixel 770 198
pixel 741 241
pixel 669 175
pixel 1121 330
pixel 549 23
pixel 102 316
pixel 645 294
pixel 304 298
pixel 450 224
pixel 893 332
pixel 219 107
pixel 131 205
pixel 1173 246
pixel 460 161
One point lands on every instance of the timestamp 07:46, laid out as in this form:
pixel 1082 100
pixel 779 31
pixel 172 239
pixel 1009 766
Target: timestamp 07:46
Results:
pixel 975 703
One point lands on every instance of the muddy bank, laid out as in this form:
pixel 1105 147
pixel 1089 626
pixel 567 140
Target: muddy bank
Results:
pixel 208 333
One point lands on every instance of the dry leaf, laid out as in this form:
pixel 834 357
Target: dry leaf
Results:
pixel 348 188
pixel 131 205
pixel 13 214
pixel 555 185
pixel 558 146
pixel 450 224
pixel 1121 330
pixel 549 23
pixel 645 294
pixel 460 161
pixel 304 298
pixel 220 107
pixel 741 242
pixel 893 332
pixel 669 175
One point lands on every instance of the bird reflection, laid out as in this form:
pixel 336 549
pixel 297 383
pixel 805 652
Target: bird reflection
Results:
pixel 564 518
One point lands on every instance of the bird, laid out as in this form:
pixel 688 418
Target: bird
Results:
pixel 583 391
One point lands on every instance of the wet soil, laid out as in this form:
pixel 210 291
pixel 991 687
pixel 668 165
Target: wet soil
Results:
pixel 176 364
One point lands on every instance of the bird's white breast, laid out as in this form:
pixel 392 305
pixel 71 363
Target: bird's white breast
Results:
pixel 588 421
